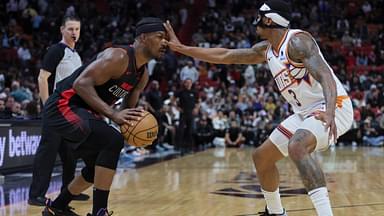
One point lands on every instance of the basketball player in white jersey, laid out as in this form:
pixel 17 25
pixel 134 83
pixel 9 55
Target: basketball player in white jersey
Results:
pixel 322 109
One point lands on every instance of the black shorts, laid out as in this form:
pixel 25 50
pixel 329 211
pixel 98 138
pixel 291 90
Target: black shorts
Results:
pixel 72 122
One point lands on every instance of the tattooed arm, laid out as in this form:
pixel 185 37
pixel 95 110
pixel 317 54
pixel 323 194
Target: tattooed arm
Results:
pixel 254 55
pixel 302 48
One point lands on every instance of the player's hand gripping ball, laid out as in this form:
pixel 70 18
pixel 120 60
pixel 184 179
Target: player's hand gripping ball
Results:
pixel 142 132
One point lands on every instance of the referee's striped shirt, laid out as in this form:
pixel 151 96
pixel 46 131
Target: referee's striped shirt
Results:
pixel 61 61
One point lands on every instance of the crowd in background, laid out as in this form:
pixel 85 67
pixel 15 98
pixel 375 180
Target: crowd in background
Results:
pixel 233 104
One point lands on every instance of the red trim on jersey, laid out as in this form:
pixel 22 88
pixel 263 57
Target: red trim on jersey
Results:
pixel 285 131
pixel 64 108
pixel 126 86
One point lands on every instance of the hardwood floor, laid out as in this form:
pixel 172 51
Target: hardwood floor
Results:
pixel 223 182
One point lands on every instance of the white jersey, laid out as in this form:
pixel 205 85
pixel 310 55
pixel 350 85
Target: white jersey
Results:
pixel 294 82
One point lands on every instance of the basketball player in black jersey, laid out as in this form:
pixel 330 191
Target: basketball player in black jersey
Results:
pixel 76 108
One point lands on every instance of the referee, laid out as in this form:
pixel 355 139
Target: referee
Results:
pixel 58 63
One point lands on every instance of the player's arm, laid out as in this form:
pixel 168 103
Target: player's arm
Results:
pixel 43 84
pixel 49 64
pixel 303 49
pixel 254 55
pixel 112 63
pixel 132 98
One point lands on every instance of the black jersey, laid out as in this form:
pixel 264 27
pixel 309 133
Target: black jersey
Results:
pixel 109 92
pixel 71 116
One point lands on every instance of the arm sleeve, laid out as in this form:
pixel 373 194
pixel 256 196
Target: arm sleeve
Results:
pixel 52 58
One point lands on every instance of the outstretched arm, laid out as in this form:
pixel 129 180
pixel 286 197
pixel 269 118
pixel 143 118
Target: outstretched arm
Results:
pixel 303 49
pixel 254 55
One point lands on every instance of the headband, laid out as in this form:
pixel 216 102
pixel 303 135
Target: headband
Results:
pixel 149 27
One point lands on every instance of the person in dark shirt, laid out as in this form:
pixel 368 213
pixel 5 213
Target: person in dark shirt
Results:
pixel 187 103
pixel 4 112
pixel 59 62
pixel 234 136
pixel 155 103
pixel 204 132
pixel 76 109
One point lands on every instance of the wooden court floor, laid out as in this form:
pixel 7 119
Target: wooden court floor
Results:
pixel 222 182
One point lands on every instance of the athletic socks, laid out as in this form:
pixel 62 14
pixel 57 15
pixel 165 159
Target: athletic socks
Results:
pixel 320 200
pixel 62 201
pixel 273 201
pixel 100 200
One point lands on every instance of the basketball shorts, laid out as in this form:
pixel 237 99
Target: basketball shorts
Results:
pixel 343 118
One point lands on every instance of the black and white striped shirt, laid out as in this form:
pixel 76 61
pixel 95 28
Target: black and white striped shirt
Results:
pixel 61 61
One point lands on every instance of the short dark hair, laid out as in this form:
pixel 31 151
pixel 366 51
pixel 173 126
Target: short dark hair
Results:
pixel 69 18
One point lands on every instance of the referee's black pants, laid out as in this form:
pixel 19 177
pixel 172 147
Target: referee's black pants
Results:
pixel 51 143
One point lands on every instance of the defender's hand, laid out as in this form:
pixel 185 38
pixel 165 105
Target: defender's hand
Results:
pixel 173 42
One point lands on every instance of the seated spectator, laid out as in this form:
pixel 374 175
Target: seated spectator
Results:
pixel 204 132
pixel 32 110
pixel 247 128
pixel 4 113
pixel 220 124
pixel 16 111
pixel 234 136
pixel 371 134
pixel 167 129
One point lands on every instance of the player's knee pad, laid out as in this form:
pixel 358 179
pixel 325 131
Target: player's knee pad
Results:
pixel 109 156
pixel 88 174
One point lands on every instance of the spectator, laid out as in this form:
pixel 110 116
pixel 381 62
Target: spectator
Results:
pixel 371 134
pixel 187 103
pixel 234 136
pixel 189 71
pixel 204 133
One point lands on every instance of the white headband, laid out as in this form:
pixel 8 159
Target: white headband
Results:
pixel 277 18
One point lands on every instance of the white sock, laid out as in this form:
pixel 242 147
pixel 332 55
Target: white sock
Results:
pixel 320 200
pixel 273 201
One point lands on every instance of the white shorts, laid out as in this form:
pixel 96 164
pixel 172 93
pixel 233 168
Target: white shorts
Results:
pixel 343 118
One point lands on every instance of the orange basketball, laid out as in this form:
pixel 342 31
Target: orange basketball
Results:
pixel 142 133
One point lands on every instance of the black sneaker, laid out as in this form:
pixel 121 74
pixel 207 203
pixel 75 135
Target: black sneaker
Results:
pixel 102 212
pixel 51 211
pixel 266 213
pixel 37 201
pixel 81 197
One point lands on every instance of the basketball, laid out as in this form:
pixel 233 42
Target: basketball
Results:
pixel 142 133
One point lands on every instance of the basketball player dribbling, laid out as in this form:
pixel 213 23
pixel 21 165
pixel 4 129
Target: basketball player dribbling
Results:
pixel 76 108
pixel 322 109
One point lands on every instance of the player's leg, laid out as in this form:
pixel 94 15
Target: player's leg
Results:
pixel 100 151
pixel 43 164
pixel 311 136
pixel 300 147
pixel 265 157
pixel 69 167
pixel 105 164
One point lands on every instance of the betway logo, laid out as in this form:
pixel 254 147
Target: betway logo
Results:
pixel 18 144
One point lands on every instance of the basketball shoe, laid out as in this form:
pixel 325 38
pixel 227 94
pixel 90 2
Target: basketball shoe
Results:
pixel 266 213
pixel 51 211
pixel 102 212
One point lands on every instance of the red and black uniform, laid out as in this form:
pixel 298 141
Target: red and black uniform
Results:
pixel 69 115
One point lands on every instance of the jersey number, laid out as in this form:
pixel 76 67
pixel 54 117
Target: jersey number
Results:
pixel 294 97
